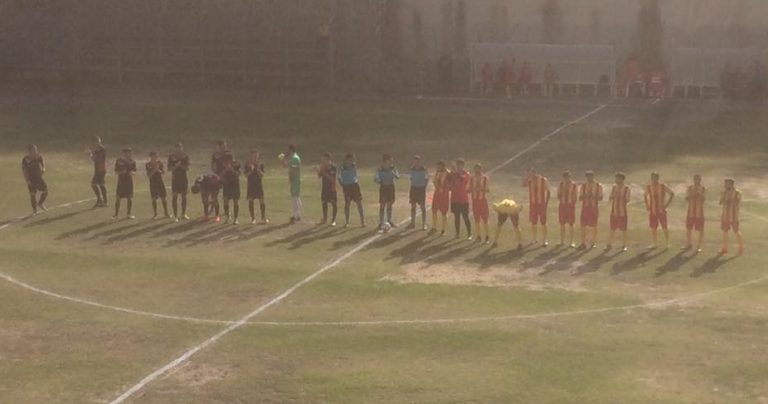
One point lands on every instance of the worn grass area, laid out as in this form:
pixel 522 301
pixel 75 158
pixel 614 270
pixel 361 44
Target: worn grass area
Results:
pixel 703 348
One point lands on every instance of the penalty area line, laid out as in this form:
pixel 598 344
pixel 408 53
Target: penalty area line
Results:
pixel 243 321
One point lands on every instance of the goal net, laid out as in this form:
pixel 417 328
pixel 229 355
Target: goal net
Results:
pixel 573 64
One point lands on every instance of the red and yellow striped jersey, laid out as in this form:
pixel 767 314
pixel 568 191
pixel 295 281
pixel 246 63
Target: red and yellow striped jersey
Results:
pixel 656 197
pixel 478 187
pixel 441 181
pixel 591 194
pixel 696 195
pixel 619 199
pixel 731 200
pixel 538 189
pixel 568 193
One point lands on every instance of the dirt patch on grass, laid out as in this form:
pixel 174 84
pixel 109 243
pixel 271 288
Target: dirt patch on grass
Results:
pixel 513 276
pixel 196 375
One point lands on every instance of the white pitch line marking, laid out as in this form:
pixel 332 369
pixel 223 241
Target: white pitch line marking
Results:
pixel 192 351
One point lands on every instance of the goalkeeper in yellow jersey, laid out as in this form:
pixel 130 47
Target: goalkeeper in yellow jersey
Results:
pixel 508 209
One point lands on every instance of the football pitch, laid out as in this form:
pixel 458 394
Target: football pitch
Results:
pixel 147 311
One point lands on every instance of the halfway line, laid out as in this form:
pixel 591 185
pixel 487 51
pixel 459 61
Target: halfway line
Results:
pixel 192 351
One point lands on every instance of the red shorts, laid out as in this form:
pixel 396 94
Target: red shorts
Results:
pixel 658 219
pixel 589 215
pixel 480 209
pixel 441 202
pixel 694 223
pixel 728 226
pixel 538 214
pixel 567 214
pixel 619 223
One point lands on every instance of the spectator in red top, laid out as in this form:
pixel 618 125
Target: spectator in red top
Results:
pixel 459 181
pixel 526 76
pixel 501 77
pixel 486 78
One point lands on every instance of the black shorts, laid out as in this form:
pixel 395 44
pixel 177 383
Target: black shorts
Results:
pixel 179 183
pixel 418 195
pixel 460 208
pixel 352 193
pixel 98 178
pixel 157 189
pixel 255 190
pixel 37 185
pixel 231 191
pixel 387 194
pixel 124 188
pixel 328 195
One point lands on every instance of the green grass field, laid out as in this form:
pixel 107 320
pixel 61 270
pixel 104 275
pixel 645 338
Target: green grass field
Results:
pixel 98 305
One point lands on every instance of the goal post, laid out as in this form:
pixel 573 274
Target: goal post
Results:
pixel 577 65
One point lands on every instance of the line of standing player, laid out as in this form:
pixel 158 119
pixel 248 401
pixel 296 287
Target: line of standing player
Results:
pixel 455 190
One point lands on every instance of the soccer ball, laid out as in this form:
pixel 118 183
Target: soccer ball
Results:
pixel 281 156
pixel 386 227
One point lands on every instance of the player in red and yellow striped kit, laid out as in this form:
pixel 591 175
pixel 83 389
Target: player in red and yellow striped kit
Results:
pixel 567 195
pixel 441 199
pixel 538 194
pixel 695 196
pixel 730 200
pixel 478 191
pixel 590 195
pixel 619 198
pixel 658 196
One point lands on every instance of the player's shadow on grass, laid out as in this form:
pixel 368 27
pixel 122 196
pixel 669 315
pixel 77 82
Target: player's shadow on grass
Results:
pixel 562 263
pixel 637 261
pixel 673 264
pixel 542 259
pixel 495 256
pixel 451 254
pixel 327 233
pixel 261 231
pixel 711 265
pixel 408 253
pixel 302 232
pixel 206 229
pixel 597 262
pixel 114 231
pixel 178 229
pixel 54 219
pixel 83 230
pixel 366 234
pixel 136 233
